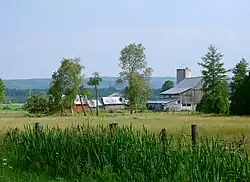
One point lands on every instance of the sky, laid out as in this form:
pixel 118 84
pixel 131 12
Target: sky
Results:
pixel 36 35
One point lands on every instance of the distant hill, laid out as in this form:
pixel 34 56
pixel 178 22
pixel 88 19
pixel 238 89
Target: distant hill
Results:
pixel 43 83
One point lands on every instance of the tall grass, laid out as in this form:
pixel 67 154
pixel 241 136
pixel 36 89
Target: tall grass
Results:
pixel 123 154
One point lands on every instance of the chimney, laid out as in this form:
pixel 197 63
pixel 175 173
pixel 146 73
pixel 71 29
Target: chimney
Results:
pixel 182 74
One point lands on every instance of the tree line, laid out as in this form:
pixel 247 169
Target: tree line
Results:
pixel 219 96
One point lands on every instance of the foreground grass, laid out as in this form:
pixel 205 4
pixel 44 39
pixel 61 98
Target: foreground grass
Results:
pixel 8 175
pixel 97 153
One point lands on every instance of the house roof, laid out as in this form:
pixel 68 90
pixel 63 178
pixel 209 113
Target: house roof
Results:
pixel 161 101
pixel 184 85
pixel 78 102
pixel 113 100
pixel 92 103
pixel 115 95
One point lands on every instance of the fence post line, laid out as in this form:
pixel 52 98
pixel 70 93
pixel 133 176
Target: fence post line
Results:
pixel 194 134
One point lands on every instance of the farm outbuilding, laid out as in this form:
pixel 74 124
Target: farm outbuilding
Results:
pixel 185 95
pixel 114 103
pixel 86 104
pixel 188 93
pixel 78 105
pixel 92 103
pixel 162 104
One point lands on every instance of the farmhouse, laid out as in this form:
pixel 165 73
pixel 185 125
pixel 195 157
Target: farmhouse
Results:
pixel 185 95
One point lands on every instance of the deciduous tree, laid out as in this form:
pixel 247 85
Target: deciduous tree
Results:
pixel 65 85
pixel 135 72
pixel 95 81
pixel 2 90
pixel 215 86
pixel 167 85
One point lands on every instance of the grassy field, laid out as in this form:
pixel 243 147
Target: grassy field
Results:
pixel 120 158
pixel 175 124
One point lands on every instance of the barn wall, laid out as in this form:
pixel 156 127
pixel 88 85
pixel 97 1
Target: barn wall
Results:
pixel 78 108
pixel 192 96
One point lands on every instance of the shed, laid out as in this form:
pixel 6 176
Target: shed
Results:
pixel 114 103
pixel 162 104
pixel 78 105
pixel 92 103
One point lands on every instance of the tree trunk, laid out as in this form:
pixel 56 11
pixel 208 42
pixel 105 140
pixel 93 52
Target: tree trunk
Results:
pixel 86 100
pixel 83 110
pixel 96 96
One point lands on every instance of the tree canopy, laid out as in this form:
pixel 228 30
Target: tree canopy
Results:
pixel 95 81
pixel 167 85
pixel 65 85
pixel 136 72
pixel 2 90
pixel 240 86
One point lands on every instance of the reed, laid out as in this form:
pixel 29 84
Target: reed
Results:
pixel 123 154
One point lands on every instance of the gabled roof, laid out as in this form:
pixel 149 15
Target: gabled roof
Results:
pixel 113 100
pixel 115 95
pixel 92 103
pixel 184 85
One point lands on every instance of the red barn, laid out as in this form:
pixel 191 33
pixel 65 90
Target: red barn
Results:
pixel 78 105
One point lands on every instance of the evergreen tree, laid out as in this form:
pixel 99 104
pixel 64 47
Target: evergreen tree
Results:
pixel 237 87
pixel 215 86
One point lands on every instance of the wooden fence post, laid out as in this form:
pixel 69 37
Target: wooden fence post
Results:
pixel 113 126
pixel 38 127
pixel 163 134
pixel 194 134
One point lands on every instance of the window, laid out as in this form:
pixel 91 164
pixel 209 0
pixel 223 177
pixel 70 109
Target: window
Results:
pixel 188 105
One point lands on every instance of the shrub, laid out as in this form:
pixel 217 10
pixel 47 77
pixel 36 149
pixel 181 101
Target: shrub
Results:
pixel 37 104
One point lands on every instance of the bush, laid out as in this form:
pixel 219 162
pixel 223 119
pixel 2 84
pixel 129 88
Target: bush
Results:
pixel 37 104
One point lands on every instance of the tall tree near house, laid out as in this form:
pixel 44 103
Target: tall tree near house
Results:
pixel 215 86
pixel 238 96
pixel 135 72
pixel 65 85
pixel 167 85
pixel 2 90
pixel 95 81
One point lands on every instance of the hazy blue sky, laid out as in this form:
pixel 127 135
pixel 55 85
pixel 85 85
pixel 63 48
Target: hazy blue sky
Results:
pixel 36 35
